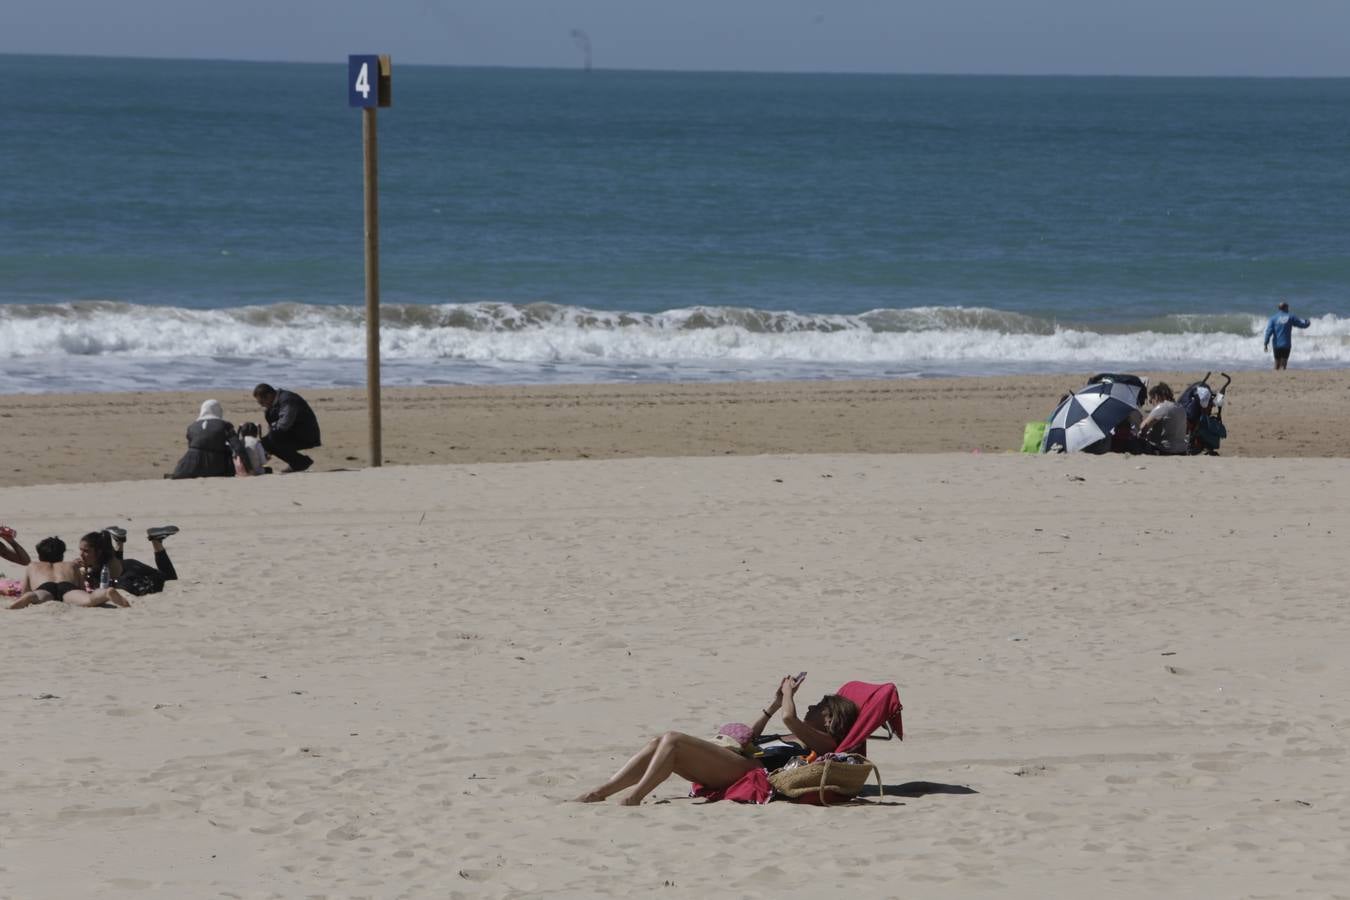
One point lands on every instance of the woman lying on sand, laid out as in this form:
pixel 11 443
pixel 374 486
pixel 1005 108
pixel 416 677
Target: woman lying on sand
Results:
pixel 719 767
pixel 136 577
pixel 52 579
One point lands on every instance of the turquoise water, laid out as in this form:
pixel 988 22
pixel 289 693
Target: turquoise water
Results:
pixel 539 225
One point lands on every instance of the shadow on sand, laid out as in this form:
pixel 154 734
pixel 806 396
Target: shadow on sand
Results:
pixel 917 789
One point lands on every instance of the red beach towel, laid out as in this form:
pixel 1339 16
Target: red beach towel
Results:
pixel 753 787
pixel 878 704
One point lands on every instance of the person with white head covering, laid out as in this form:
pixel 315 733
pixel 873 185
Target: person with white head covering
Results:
pixel 208 437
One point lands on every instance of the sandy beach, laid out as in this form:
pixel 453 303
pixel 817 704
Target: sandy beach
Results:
pixel 137 436
pixel 1121 675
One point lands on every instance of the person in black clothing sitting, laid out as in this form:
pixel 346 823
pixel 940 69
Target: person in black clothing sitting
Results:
pixel 208 438
pixel 291 426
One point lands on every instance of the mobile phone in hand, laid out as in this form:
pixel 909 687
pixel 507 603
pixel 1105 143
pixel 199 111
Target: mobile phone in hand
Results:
pixel 799 678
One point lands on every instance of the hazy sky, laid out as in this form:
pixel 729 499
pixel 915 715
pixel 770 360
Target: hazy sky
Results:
pixel 1122 37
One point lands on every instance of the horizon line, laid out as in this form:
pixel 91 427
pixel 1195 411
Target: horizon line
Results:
pixel 674 71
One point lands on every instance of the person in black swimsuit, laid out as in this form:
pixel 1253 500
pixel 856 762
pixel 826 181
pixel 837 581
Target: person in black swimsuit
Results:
pixel 59 581
pixel 58 590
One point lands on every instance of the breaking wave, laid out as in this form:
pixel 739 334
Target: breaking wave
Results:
pixel 500 342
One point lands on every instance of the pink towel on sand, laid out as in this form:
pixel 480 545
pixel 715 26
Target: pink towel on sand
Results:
pixel 752 787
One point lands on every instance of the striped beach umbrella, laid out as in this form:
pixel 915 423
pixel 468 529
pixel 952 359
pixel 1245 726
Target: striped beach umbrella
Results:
pixel 1084 420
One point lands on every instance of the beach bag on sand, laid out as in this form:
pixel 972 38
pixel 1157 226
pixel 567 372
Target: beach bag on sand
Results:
pixel 1033 436
pixel 1209 433
pixel 827 780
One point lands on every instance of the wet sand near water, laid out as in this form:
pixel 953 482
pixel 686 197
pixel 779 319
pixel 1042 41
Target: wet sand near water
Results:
pixel 113 437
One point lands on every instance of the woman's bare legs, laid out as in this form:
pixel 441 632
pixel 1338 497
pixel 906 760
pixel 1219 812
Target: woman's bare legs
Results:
pixel 628 775
pixel 692 758
pixel 100 597
pixel 110 595
pixel 32 598
pixel 673 754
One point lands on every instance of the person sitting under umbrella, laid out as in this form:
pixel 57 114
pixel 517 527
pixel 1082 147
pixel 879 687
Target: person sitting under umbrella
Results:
pixel 1095 417
pixel 1163 430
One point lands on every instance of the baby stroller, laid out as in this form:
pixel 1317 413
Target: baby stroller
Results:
pixel 1204 414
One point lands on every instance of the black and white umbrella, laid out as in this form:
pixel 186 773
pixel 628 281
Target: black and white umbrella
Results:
pixel 1084 420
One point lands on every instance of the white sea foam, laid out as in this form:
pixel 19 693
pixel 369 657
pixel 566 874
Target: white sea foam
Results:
pixel 110 346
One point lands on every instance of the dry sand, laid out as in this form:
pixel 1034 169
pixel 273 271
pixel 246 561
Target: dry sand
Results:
pixel 1122 676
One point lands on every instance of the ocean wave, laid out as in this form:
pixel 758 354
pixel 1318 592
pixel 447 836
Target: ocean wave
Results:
pixel 549 334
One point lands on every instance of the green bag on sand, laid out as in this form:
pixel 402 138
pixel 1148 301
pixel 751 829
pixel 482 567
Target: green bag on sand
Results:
pixel 1033 436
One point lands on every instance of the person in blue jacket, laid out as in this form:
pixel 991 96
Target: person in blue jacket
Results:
pixel 1279 332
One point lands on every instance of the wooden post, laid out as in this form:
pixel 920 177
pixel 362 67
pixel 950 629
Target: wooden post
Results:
pixel 369 85
pixel 370 145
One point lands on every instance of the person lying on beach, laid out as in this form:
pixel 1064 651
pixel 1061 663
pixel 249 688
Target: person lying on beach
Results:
pixel 97 554
pixel 51 578
pixel 10 549
pixel 208 438
pixel 136 577
pixel 717 766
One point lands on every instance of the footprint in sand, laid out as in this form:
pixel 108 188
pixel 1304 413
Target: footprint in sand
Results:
pixel 1216 765
pixel 348 832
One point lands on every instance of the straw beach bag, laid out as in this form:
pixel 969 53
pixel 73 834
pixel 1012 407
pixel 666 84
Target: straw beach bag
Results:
pixel 825 781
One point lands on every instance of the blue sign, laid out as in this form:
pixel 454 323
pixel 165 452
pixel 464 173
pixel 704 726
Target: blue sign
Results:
pixel 363 81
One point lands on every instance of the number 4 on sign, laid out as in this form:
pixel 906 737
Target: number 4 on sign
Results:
pixel 368 81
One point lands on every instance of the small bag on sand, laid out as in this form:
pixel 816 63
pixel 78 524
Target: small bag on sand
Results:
pixel 826 780
pixel 1033 436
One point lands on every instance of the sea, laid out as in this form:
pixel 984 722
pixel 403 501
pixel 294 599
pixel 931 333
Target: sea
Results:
pixel 197 224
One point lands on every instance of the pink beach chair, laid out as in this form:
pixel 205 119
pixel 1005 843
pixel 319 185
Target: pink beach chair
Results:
pixel 878 708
